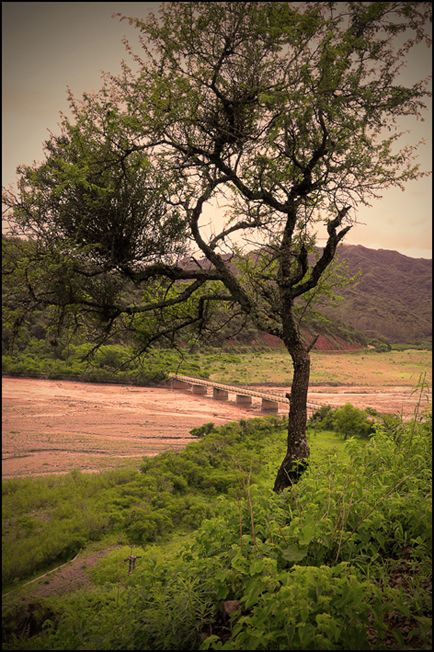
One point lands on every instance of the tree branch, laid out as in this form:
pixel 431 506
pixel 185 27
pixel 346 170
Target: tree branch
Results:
pixel 327 254
pixel 303 266
pixel 170 271
pixel 312 344
pixel 225 275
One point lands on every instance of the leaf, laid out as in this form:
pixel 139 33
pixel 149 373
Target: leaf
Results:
pixel 257 566
pixel 254 589
pixel 307 533
pixel 239 563
pixel 294 553
pixel 211 642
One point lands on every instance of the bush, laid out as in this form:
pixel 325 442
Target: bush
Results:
pixel 349 421
pixel 313 608
pixel 143 525
pixel 380 346
pixel 201 431
pixel 346 420
pixel 322 419
pixel 112 356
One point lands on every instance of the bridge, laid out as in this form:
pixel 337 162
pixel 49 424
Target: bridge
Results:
pixel 243 396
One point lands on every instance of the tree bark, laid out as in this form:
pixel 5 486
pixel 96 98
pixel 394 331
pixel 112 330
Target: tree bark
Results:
pixel 297 454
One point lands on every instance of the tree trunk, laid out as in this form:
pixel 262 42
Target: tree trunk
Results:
pixel 297 454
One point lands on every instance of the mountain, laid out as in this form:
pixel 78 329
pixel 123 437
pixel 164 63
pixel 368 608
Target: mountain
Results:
pixel 392 299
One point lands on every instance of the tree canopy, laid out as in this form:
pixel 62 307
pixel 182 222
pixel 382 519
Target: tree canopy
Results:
pixel 288 113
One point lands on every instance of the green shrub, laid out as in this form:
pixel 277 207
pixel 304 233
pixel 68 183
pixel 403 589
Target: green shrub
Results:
pixel 309 608
pixel 322 419
pixel 144 525
pixel 380 346
pixel 201 431
pixel 346 420
pixel 349 421
pixel 112 356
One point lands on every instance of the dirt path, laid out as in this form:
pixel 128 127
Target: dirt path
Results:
pixel 65 578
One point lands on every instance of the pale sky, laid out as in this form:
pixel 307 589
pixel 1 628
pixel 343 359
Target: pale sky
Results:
pixel 48 46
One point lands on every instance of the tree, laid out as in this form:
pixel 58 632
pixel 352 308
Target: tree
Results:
pixel 286 112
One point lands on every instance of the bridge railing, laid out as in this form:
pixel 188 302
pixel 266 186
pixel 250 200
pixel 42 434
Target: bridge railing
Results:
pixel 238 389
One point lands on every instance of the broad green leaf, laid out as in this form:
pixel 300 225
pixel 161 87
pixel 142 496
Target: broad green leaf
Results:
pixel 294 553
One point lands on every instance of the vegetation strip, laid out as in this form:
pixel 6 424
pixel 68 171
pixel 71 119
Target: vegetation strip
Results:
pixel 224 563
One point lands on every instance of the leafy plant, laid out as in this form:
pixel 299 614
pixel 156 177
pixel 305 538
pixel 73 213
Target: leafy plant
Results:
pixel 350 421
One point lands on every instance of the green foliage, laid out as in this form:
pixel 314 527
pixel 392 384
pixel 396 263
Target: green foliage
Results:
pixel 322 418
pixel 339 561
pixel 310 608
pixel 352 422
pixel 116 362
pixel 346 420
pixel 201 431
pixel 59 526
pixel 380 346
pixel 422 346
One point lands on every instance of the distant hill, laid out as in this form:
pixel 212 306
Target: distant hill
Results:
pixel 392 300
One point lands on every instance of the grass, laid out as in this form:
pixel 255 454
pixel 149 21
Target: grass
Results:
pixel 355 368
pixel 46 520
pixel 243 367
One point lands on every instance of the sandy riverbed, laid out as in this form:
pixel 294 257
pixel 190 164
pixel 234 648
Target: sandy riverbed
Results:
pixel 52 426
pixel 392 399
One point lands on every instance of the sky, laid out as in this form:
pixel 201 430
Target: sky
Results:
pixel 47 46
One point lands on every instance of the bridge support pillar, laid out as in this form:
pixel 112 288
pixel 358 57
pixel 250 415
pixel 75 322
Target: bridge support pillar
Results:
pixel 199 389
pixel 179 384
pixel 220 394
pixel 241 399
pixel 269 406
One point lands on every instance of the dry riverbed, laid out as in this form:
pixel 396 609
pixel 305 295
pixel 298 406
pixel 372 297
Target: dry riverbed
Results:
pixel 52 426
